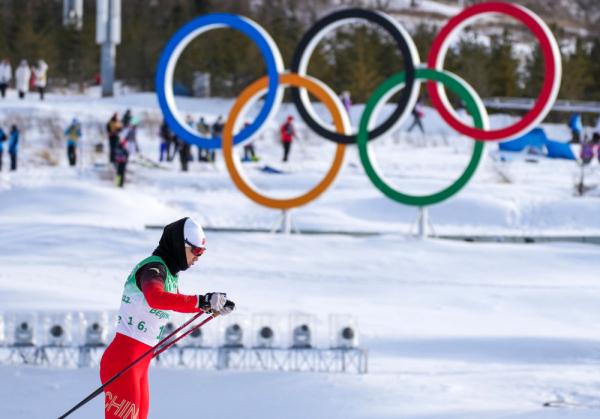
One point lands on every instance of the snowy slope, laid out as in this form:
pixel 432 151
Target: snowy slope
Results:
pixel 485 331
pixel 454 330
pixel 540 199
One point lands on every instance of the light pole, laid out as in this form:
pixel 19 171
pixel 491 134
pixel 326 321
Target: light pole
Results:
pixel 108 36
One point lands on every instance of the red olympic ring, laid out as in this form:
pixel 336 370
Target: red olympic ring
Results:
pixel 552 74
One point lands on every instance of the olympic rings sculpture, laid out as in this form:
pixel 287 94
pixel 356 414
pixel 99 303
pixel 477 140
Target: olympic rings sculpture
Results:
pixel 406 84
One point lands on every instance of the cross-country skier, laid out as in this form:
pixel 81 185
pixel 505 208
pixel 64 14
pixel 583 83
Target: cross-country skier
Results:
pixel 418 115
pixel 287 133
pixel 151 291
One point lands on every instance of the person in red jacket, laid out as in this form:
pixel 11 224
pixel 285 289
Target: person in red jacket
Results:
pixel 151 292
pixel 288 133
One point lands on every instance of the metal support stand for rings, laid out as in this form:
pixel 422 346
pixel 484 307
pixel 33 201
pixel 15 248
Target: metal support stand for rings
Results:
pixel 424 225
pixel 284 223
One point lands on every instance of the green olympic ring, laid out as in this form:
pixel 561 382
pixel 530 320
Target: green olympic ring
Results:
pixel 385 90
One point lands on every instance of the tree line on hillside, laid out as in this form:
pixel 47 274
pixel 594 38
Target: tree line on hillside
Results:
pixel 355 58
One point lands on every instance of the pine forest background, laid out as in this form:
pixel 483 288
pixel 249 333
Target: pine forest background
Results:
pixel 355 58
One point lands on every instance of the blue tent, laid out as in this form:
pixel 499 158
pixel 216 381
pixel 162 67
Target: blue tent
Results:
pixel 558 150
pixel 537 140
pixel 533 139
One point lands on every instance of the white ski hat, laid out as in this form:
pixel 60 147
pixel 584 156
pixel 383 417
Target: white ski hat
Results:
pixel 193 234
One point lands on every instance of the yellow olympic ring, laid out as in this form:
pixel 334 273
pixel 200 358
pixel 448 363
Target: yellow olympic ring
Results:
pixel 341 123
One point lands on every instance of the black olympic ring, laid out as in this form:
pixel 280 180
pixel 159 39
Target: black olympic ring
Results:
pixel 407 97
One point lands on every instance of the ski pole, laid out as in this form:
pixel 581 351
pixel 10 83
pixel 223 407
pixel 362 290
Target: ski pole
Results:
pixel 117 375
pixel 174 341
pixel 229 304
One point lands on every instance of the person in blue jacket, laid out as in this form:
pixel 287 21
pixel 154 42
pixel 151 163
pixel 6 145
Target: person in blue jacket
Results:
pixel 73 134
pixel 2 140
pixel 13 146
pixel 576 127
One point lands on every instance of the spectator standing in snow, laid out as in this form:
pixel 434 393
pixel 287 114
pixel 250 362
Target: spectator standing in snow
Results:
pixel 184 153
pixel 347 102
pixel 287 133
pixel 13 146
pixel 41 77
pixel 596 134
pixel 2 141
pixel 121 159
pixel 249 152
pixel 189 120
pixel 5 76
pixel 184 148
pixel 126 119
pixel 113 128
pixel 22 76
pixel 204 131
pixel 576 127
pixel 216 133
pixel 131 135
pixel 217 128
pixel 73 134
pixel 165 142
pixel 418 115
pixel 587 151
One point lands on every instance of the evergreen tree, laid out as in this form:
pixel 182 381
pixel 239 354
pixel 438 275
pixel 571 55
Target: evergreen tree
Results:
pixel 502 68
pixel 594 60
pixel 360 65
pixel 577 78
pixel 423 36
pixel 469 60
pixel 534 74
pixel 355 57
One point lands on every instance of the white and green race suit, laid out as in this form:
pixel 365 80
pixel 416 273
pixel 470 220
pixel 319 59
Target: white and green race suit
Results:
pixel 136 318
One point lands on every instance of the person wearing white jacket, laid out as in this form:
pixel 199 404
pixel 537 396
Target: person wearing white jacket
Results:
pixel 5 76
pixel 40 72
pixel 22 76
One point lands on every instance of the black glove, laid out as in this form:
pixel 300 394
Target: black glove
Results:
pixel 214 301
pixel 228 308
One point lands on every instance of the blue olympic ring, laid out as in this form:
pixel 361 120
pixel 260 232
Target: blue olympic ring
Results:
pixel 176 45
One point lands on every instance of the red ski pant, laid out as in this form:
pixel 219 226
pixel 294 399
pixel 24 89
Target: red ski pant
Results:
pixel 128 396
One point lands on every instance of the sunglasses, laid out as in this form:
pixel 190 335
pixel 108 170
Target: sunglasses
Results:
pixel 196 251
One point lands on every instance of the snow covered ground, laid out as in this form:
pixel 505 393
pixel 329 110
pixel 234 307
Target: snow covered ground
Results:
pixel 454 330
